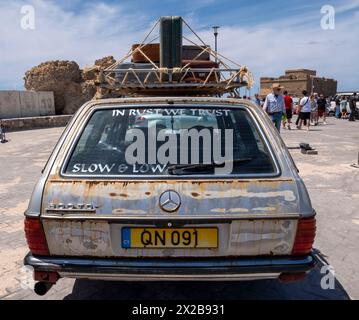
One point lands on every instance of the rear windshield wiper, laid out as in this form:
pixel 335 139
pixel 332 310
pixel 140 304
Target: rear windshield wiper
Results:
pixel 178 169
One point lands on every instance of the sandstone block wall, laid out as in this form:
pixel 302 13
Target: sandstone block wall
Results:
pixel 71 85
pixel 35 122
pixel 295 81
pixel 18 104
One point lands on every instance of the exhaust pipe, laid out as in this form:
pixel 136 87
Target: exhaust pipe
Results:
pixel 41 288
pixel 45 281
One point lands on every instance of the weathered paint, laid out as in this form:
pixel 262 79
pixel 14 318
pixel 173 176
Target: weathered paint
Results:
pixel 212 199
pixel 268 207
pixel 76 238
pixel 103 239
pixel 135 198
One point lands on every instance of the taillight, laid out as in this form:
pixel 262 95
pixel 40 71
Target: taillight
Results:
pixel 304 238
pixel 35 236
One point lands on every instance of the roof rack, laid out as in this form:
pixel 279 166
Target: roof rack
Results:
pixel 190 79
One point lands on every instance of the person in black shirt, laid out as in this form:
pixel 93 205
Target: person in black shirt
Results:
pixel 352 103
pixel 322 108
pixel 2 132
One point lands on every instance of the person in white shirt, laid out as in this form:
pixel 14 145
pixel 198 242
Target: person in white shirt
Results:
pixel 274 105
pixel 305 110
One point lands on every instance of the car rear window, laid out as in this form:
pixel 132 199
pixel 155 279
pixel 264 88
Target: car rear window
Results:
pixel 173 141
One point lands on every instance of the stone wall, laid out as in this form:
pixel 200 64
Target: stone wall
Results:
pixel 294 87
pixel 295 81
pixel 19 104
pixel 301 73
pixel 326 86
pixel 35 122
pixel 71 85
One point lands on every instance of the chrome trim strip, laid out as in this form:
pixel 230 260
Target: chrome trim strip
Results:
pixel 254 118
pixel 179 277
pixel 172 268
pixel 70 211
pixel 183 219
pixel 59 262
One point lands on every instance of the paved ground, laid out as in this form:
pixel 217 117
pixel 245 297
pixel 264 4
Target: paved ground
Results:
pixel 332 183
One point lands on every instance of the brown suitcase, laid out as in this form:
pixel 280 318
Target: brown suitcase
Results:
pixel 191 52
pixel 200 76
pixel 151 50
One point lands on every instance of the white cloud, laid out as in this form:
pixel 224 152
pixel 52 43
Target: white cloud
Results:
pixel 269 49
pixel 96 31
pixel 101 29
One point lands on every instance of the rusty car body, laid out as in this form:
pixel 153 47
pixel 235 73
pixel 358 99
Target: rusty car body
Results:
pixel 75 222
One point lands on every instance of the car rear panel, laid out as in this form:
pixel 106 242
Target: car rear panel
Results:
pixel 84 216
pixel 267 228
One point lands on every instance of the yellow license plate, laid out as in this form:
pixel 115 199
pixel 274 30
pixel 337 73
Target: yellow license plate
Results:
pixel 169 237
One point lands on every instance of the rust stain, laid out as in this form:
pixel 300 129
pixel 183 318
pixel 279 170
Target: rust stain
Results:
pixel 114 194
pixel 84 190
pixel 173 182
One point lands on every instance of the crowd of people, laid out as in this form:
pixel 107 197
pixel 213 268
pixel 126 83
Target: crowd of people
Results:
pixel 310 108
pixel 341 110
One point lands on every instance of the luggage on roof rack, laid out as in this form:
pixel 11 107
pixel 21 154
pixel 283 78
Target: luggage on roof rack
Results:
pixel 171 68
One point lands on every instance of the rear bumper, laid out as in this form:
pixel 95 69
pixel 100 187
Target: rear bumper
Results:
pixel 220 269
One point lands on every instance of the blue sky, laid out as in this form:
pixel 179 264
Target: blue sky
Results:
pixel 267 36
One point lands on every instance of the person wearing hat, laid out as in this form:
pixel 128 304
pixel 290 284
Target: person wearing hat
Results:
pixel 274 105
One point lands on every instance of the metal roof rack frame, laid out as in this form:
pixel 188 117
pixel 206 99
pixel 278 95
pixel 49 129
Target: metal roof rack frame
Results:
pixel 228 78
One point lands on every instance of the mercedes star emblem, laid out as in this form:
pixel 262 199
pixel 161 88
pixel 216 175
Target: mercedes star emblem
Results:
pixel 170 201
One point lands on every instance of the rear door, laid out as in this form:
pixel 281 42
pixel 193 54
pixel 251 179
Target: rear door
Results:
pixel 173 181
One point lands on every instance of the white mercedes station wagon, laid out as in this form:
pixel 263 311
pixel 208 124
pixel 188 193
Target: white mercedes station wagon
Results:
pixel 171 189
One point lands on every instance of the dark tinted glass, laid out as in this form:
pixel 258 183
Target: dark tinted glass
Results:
pixel 161 136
